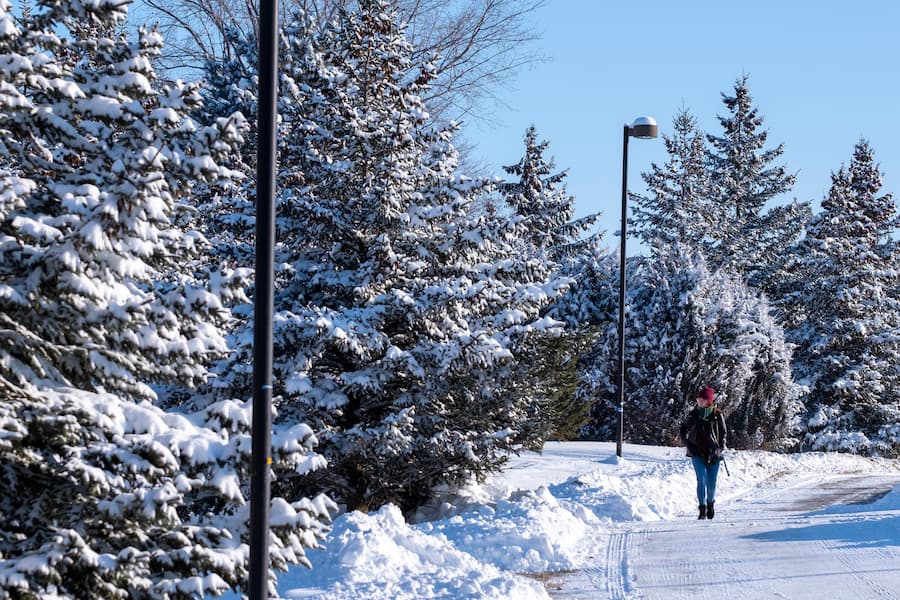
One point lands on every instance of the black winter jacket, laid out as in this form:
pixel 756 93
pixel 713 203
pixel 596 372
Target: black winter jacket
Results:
pixel 702 437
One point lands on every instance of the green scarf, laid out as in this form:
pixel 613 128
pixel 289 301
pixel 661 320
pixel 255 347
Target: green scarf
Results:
pixel 705 413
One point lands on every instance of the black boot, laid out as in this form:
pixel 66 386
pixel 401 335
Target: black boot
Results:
pixel 710 510
pixel 702 511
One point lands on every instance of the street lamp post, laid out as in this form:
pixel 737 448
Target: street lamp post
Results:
pixel 643 128
pixel 261 426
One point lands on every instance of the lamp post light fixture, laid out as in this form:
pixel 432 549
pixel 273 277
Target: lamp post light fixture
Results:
pixel 643 128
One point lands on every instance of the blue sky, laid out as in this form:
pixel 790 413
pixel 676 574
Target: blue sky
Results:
pixel 823 75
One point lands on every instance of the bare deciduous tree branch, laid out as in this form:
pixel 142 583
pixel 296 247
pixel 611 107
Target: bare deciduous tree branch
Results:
pixel 480 44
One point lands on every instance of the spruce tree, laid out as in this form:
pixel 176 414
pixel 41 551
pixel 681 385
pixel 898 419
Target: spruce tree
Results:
pixel 748 237
pixel 679 209
pixel 540 198
pixel 106 498
pixel 690 327
pixel 399 310
pixel 549 369
pixel 93 292
pixel 102 299
pixel 592 297
pixel 847 314
pixel 589 309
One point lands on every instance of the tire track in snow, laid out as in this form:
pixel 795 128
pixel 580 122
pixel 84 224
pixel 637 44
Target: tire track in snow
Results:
pixel 610 578
pixel 686 563
pixel 616 567
pixel 620 578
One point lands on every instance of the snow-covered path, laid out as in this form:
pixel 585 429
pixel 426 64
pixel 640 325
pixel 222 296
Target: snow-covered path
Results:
pixel 578 522
pixel 790 539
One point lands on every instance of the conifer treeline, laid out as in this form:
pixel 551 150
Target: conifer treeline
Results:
pixel 830 279
pixel 427 322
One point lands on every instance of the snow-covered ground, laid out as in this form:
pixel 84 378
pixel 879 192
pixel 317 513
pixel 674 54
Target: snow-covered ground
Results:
pixel 576 522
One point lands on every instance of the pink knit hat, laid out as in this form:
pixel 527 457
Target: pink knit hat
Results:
pixel 707 394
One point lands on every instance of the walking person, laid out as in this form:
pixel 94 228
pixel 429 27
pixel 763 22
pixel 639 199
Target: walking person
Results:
pixel 703 433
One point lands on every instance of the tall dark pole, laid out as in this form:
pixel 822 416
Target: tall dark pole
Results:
pixel 643 128
pixel 621 363
pixel 261 427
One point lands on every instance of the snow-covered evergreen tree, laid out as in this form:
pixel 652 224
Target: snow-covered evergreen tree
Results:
pixel 105 498
pixel 95 158
pixel 398 312
pixel 749 238
pixel 678 209
pixel 846 317
pixel 540 197
pixel 688 327
pixel 102 494
pixel 592 298
pixel 549 369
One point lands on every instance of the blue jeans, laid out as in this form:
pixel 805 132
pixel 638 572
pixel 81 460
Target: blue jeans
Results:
pixel 706 479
